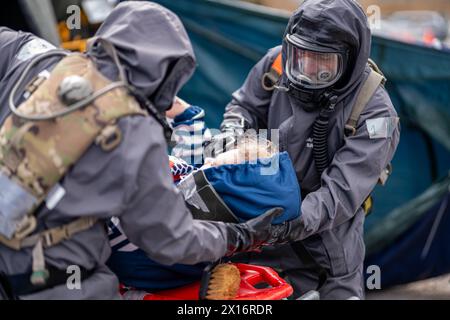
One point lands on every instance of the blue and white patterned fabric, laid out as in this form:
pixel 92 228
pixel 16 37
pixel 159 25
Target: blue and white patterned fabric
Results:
pixel 117 238
pixel 190 135
pixel 179 168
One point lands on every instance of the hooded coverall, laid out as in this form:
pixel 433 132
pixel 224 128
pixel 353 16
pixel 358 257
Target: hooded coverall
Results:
pixel 131 182
pixel 331 213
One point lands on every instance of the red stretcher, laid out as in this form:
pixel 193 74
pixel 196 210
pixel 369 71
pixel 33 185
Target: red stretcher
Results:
pixel 251 276
pixel 273 286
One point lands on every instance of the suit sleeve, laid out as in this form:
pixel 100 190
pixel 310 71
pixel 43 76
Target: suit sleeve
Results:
pixel 155 217
pixel 354 170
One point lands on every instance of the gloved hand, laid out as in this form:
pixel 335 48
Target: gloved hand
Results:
pixel 255 233
pixel 290 231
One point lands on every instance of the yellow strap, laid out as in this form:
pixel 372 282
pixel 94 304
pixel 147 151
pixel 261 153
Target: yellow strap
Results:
pixel 368 205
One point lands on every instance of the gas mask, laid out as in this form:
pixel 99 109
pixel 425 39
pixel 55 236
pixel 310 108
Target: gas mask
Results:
pixel 313 70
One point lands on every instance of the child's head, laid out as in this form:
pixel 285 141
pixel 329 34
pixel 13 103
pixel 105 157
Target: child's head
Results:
pixel 248 148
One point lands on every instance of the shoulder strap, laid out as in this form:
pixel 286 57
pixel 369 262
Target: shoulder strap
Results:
pixel 371 84
pixel 40 274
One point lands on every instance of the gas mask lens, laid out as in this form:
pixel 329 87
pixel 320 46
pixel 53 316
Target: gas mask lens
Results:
pixel 312 69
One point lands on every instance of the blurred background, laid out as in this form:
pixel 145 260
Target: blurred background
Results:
pixel 408 232
pixel 407 20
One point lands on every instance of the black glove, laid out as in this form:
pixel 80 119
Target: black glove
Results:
pixel 254 233
pixel 290 231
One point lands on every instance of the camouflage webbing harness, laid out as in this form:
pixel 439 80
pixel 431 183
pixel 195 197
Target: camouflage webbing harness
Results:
pixel 45 136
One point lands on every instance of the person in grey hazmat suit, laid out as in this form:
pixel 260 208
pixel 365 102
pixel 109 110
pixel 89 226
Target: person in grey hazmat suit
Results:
pixel 325 54
pixel 132 181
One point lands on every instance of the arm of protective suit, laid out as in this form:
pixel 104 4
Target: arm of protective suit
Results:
pixel 12 47
pixel 352 175
pixel 249 105
pixel 155 217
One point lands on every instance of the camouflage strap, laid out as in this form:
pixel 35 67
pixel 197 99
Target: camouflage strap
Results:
pixel 377 69
pixel 51 237
pixel 375 79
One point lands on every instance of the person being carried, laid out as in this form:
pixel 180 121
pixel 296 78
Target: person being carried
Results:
pixel 235 186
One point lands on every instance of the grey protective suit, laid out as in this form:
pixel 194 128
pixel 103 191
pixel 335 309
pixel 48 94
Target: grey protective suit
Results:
pixel 131 182
pixel 331 213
